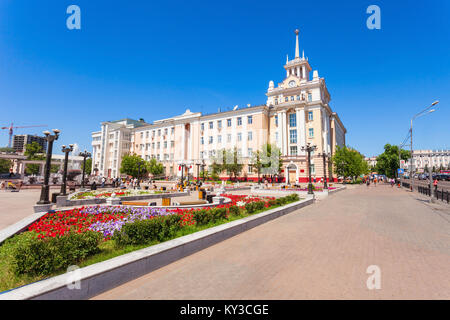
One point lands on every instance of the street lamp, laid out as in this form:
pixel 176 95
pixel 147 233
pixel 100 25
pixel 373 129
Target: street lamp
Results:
pixel 45 188
pixel 85 155
pixel 66 151
pixel 308 148
pixel 421 113
pixel 203 170
pixel 324 156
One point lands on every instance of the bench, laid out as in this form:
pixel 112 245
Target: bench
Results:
pixel 135 203
pixel 190 203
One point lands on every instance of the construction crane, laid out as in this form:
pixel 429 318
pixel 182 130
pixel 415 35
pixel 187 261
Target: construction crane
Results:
pixel 11 130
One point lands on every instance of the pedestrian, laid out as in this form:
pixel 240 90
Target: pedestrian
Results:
pixel 103 182
pixel 368 182
pixel 375 181
pixel 392 182
pixel 435 184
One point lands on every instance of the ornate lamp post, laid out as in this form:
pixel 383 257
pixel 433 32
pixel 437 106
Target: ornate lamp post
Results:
pixel 85 155
pixel 308 148
pixel 45 188
pixel 203 165
pixel 66 151
pixel 324 156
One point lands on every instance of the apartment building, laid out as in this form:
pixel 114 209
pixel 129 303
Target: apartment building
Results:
pixel 296 113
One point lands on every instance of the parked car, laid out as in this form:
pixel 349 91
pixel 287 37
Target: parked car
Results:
pixel 443 177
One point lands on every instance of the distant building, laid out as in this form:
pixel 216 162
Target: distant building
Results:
pixel 20 141
pixel 430 159
pixel 372 161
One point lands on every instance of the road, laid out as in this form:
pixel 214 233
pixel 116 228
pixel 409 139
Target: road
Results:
pixel 322 251
pixel 425 183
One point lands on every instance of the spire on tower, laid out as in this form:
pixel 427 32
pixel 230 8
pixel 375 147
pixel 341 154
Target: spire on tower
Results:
pixel 287 59
pixel 297 51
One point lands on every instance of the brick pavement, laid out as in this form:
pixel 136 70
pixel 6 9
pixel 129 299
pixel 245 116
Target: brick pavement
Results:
pixel 319 252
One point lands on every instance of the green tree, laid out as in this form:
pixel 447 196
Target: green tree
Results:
pixel 5 164
pixel 388 162
pixel 88 169
pixel 130 165
pixel 256 163
pixel 349 162
pixel 232 163
pixel 7 150
pixel 271 160
pixel 154 167
pixel 34 151
pixel 218 163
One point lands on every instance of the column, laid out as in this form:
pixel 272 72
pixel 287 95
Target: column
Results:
pixel 283 133
pixel 304 72
pixel 301 134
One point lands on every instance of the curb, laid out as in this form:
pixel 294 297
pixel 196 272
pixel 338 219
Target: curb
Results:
pixel 106 275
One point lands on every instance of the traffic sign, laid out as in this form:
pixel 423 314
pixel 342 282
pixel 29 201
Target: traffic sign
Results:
pixel 400 171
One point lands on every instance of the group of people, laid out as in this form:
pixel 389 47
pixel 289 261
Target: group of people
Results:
pixel 5 185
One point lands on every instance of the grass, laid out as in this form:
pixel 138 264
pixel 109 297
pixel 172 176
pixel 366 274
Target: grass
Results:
pixel 108 250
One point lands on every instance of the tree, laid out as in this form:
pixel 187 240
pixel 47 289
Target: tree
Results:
pixel 88 169
pixel 5 164
pixel 130 165
pixel 155 168
pixel 7 150
pixel 218 163
pixel 271 160
pixel 232 163
pixel 349 162
pixel 34 151
pixel 256 163
pixel 388 162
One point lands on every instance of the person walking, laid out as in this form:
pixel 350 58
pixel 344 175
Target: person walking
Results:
pixel 435 184
pixel 368 182
pixel 375 181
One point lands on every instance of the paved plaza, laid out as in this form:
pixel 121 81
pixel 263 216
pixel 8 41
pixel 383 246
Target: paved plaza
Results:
pixel 319 252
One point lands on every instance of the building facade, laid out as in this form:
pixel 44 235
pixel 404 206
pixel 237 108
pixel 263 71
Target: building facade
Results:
pixel 21 140
pixel 436 159
pixel 296 113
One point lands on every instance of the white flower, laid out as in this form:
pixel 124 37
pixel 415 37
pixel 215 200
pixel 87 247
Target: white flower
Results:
pixel 240 203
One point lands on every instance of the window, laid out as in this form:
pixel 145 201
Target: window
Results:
pixel 239 121
pixel 250 152
pixel 172 144
pixel 202 126
pixel 159 132
pixel 219 139
pixel 166 131
pixel 153 133
pixel 172 130
pixel 219 124
pixel 310 116
pixel 292 120
pixel 250 136
pixel 239 136
pixel 313 169
pixel 165 144
pixel 293 136
pixel 142 135
pixel 202 140
pixel 250 119
pixel 293 150
pixel 153 145
pixel 211 125
pixel 309 97
pixel 229 122
pixel 276 120
pixel 298 97
pixel 147 134
pixel 311 132
pixel 276 101
pixel 159 145
pixel 229 138
pixel 276 137
pixel 292 98
pixel 211 139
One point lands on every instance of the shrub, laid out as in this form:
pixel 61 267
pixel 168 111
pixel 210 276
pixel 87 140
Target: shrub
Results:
pixel 44 256
pixel 159 228
pixel 250 207
pixel 218 214
pixel 292 197
pixel 201 217
pixel 234 210
pixel 272 202
pixel 259 205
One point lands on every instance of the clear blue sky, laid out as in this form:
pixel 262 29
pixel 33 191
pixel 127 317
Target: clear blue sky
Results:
pixel 154 59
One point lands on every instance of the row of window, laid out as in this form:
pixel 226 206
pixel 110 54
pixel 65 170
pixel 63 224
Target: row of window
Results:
pixel 229 137
pixel 158 145
pixel 212 153
pixel 229 123
pixel 293 98
pixel 293 119
pixel 159 131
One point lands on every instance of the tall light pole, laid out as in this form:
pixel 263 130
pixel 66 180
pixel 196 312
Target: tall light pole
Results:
pixel 85 155
pixel 66 151
pixel 324 156
pixel 421 113
pixel 44 199
pixel 308 148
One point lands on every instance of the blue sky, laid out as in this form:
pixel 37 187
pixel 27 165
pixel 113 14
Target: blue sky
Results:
pixel 154 59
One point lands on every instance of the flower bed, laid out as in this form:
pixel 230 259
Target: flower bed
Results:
pixel 63 238
pixel 93 194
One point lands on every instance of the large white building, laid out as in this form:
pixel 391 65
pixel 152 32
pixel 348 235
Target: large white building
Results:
pixel 430 158
pixel 297 112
